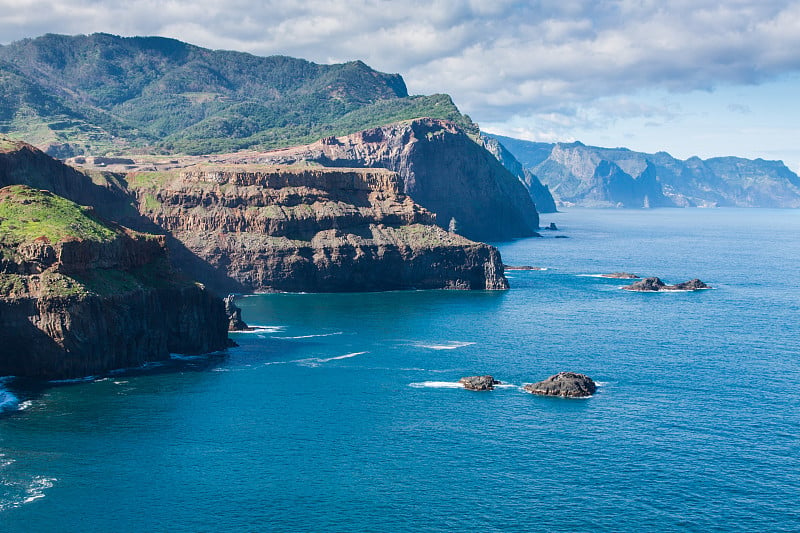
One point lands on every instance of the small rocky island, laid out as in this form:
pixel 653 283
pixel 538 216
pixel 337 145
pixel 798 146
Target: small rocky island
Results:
pixel 620 275
pixel 564 384
pixel 479 383
pixel 656 285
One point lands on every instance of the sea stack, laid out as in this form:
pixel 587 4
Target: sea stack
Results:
pixel 479 383
pixel 564 384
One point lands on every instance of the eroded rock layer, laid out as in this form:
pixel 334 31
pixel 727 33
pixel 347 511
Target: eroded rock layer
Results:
pixel 300 228
pixel 440 167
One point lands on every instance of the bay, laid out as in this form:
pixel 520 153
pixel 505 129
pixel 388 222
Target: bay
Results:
pixel 341 412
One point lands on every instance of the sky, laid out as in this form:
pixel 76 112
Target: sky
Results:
pixel 690 77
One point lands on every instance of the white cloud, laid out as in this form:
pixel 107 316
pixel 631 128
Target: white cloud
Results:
pixel 557 64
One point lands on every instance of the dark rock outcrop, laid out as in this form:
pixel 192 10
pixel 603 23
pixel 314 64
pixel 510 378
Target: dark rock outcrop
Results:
pixel 654 284
pixel 691 285
pixel 479 383
pixel 620 275
pixel 440 167
pixel 565 384
pixel 234 314
pixel 101 297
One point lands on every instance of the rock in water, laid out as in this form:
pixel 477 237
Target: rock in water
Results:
pixel 656 285
pixel 620 275
pixel 479 383
pixel 691 285
pixel 566 384
pixel 234 314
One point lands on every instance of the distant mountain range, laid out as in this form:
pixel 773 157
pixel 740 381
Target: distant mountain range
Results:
pixel 102 94
pixel 590 176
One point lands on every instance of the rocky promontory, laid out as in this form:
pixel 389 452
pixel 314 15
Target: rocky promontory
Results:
pixel 309 228
pixel 79 296
pixel 654 284
pixel 439 166
pixel 565 384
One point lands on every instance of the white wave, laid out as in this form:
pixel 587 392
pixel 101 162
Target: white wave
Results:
pixel 261 329
pixel 315 361
pixel 506 386
pixel 450 345
pixel 601 383
pixel 8 401
pixel 437 385
pixel 345 356
pixel 25 405
pixel 37 487
pixel 5 461
pixel 311 336
pixel 32 492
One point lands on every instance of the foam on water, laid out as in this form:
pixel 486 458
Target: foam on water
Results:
pixel 8 400
pixel 20 491
pixel 437 385
pixel 449 345
pixel 315 361
pixel 311 336
pixel 261 329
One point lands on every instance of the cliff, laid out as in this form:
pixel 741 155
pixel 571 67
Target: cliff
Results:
pixel 258 228
pixel 441 168
pixel 617 177
pixel 300 228
pixel 540 193
pixel 80 296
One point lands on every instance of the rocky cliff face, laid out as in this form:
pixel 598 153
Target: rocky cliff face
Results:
pixel 79 296
pixel 617 177
pixel 274 228
pixel 441 168
pixel 539 192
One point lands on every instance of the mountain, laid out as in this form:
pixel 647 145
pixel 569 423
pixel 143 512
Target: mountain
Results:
pixel 539 193
pixel 106 94
pixel 591 176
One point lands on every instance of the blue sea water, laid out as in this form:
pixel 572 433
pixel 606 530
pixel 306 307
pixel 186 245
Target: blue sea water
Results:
pixel 341 413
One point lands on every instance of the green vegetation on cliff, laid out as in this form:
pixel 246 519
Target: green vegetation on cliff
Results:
pixel 105 94
pixel 27 214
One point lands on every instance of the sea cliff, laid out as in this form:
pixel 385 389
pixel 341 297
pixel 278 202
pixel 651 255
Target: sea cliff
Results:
pixel 300 228
pixel 80 296
pixel 441 167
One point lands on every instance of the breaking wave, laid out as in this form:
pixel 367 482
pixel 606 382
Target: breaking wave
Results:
pixel 311 336
pixel 449 345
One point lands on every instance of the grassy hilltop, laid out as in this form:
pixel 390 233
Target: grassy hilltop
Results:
pixel 106 94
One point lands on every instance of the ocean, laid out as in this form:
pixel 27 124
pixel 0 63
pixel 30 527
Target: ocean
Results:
pixel 341 411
